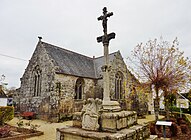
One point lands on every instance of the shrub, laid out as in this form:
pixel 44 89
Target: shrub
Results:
pixel 181 121
pixel 174 129
pixel 6 114
pixel 183 110
pixel 173 120
pixel 174 109
pixel 28 115
pixel 4 131
pixel 65 117
pixel 184 128
pixel 168 132
pixel 152 129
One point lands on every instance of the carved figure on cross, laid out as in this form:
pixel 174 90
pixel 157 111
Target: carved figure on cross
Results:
pixel 106 37
pixel 104 19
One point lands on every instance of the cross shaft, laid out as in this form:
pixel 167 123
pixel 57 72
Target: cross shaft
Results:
pixel 105 40
pixel 107 105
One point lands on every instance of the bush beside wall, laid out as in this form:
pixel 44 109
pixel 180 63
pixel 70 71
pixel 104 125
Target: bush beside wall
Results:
pixel 6 114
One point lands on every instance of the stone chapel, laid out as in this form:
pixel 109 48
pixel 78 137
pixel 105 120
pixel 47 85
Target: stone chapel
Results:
pixel 57 81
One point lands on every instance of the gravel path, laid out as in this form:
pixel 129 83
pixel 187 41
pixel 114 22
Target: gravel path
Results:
pixel 49 129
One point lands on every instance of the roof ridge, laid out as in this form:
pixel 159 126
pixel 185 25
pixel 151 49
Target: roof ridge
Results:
pixel 66 50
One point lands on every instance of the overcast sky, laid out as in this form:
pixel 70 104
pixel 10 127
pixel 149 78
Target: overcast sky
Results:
pixel 73 25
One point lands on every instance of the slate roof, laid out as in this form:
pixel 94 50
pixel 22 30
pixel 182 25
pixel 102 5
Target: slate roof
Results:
pixel 73 63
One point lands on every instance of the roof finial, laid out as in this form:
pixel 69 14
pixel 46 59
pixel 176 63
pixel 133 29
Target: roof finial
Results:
pixel 40 38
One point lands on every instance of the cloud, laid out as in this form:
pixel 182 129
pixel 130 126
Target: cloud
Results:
pixel 73 25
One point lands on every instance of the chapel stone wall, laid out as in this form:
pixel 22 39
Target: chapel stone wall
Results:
pixel 118 65
pixel 67 102
pixel 43 103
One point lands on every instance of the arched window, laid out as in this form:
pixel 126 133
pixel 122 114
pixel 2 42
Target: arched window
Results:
pixel 79 88
pixel 37 81
pixel 118 85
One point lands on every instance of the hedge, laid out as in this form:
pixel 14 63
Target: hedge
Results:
pixel 184 110
pixel 6 114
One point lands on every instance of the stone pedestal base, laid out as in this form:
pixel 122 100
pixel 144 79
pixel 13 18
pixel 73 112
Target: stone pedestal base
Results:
pixel 114 125
pixel 110 106
pixel 110 121
pixel 113 121
pixel 137 132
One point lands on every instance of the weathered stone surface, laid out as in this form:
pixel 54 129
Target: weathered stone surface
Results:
pixel 117 136
pixel 50 103
pixel 130 134
pixel 91 114
pixel 113 121
pixel 111 106
pixel 153 137
pixel 146 130
pixel 70 133
pixel 136 133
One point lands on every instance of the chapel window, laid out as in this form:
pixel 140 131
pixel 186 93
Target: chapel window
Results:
pixel 79 87
pixel 37 81
pixel 118 85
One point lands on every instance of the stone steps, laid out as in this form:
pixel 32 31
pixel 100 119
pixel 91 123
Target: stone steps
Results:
pixel 115 121
pixel 121 125
pixel 111 121
pixel 136 132
pixel 152 137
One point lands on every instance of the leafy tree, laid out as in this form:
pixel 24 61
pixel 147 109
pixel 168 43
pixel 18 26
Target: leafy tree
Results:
pixel 162 65
pixel 11 91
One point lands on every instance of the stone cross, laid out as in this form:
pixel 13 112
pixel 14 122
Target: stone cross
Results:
pixel 106 37
pixel 105 40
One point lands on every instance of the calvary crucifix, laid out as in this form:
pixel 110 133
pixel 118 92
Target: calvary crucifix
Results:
pixel 106 37
pixel 105 40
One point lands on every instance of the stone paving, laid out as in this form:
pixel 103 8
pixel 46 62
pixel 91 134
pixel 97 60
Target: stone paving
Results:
pixel 49 129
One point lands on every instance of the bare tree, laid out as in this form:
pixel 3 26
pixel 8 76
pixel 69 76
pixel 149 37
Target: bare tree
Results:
pixel 161 64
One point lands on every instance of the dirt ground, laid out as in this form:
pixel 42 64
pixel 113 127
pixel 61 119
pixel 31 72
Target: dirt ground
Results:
pixel 49 129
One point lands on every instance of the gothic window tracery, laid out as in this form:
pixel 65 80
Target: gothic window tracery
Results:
pixel 118 85
pixel 79 89
pixel 37 81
